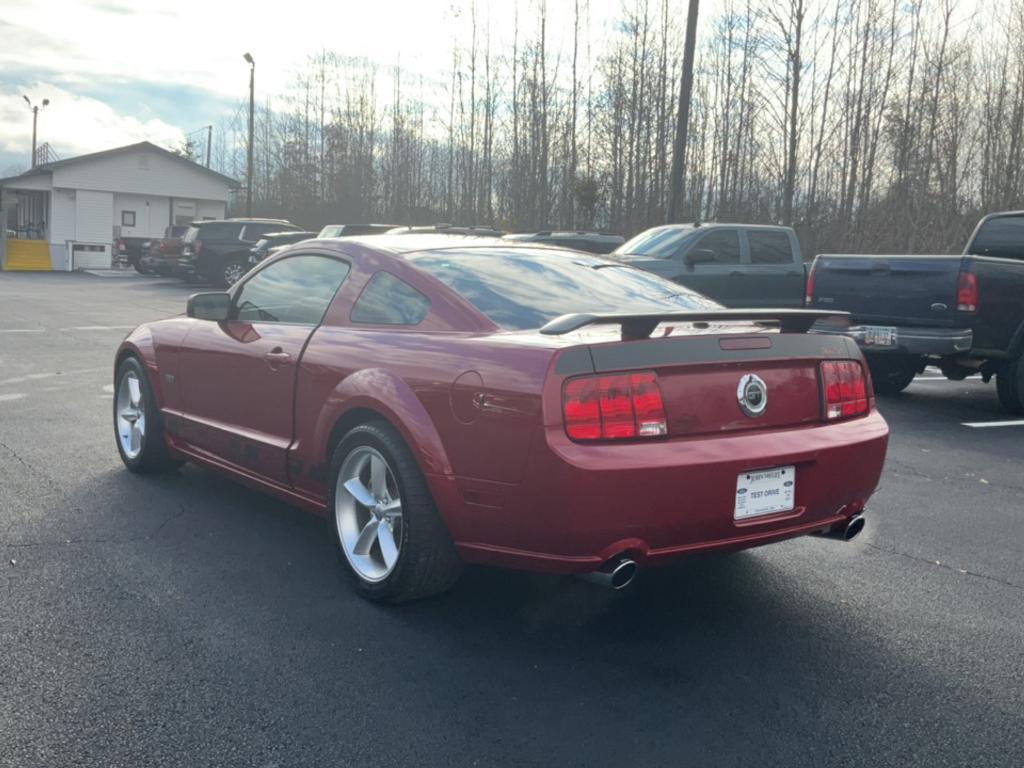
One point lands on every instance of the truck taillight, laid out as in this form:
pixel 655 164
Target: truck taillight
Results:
pixel 163 246
pixel 967 293
pixel 618 407
pixel 809 297
pixel 846 389
pixel 122 246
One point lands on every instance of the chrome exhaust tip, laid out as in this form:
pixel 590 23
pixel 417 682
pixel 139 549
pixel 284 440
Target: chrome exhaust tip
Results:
pixel 846 532
pixel 617 573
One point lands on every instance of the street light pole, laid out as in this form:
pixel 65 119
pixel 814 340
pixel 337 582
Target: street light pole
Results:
pixel 252 107
pixel 35 120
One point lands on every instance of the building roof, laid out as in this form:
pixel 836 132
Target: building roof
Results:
pixel 146 145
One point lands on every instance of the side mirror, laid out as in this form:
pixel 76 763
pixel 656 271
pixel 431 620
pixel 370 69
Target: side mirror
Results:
pixel 700 256
pixel 215 305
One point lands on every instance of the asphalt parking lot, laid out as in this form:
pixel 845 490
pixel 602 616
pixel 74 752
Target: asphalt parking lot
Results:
pixel 184 620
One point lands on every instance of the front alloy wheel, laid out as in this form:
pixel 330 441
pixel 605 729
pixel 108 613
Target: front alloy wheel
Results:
pixel 138 426
pixel 368 514
pixel 131 415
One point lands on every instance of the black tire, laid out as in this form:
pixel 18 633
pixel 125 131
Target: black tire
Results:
pixel 231 272
pixel 141 269
pixel 1010 386
pixel 427 562
pixel 891 374
pixel 153 456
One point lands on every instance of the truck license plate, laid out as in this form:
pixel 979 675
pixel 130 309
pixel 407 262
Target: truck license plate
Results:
pixel 879 336
pixel 764 492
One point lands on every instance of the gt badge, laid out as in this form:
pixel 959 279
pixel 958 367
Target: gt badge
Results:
pixel 752 395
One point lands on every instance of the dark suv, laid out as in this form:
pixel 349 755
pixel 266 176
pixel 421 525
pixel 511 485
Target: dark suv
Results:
pixel 218 251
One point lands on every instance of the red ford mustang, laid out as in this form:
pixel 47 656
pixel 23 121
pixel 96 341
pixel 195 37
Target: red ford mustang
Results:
pixel 448 400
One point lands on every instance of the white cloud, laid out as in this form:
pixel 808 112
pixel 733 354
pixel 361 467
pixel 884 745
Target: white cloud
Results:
pixel 74 124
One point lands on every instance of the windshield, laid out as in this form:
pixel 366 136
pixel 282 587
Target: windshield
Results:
pixel 660 242
pixel 520 288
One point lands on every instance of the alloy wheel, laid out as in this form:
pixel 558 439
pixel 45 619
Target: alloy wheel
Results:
pixel 131 415
pixel 233 273
pixel 368 514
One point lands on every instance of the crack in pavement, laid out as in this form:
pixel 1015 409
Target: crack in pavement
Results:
pixel 89 542
pixel 946 566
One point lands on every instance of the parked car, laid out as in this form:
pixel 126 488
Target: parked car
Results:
pixel 738 265
pixel 128 251
pixel 448 229
pixel 962 313
pixel 160 255
pixel 218 251
pixel 511 405
pixel 592 242
pixel 274 241
pixel 348 230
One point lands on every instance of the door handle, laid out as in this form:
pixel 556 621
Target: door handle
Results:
pixel 276 357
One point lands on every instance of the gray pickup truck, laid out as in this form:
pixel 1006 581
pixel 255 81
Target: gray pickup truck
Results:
pixel 963 313
pixel 738 265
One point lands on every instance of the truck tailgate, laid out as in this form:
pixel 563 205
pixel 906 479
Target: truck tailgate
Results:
pixel 894 290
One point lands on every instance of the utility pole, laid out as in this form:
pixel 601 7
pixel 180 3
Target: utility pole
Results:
pixel 675 203
pixel 252 108
pixel 35 119
pixel 209 143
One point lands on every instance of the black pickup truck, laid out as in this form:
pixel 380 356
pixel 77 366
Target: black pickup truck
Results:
pixel 962 313
pixel 738 265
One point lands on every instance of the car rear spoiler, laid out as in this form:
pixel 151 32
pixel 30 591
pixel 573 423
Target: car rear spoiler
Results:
pixel 641 326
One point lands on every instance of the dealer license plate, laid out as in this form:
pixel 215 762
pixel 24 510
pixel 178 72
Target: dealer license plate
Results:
pixel 764 492
pixel 879 336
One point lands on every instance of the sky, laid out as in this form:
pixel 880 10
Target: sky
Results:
pixel 122 71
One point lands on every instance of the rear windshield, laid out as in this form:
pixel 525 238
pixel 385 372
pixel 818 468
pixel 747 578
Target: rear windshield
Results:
pixel 1001 236
pixel 659 243
pixel 521 288
pixel 219 230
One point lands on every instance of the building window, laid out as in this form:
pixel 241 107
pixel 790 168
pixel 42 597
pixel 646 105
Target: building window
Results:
pixel 127 218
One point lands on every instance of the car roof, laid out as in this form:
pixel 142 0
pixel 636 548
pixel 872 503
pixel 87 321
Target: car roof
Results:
pixel 242 221
pixel 399 244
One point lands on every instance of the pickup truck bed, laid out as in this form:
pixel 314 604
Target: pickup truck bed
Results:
pixel 963 313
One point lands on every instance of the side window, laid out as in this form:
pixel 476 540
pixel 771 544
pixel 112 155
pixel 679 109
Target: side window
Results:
pixel 1001 236
pixel 724 243
pixel 767 247
pixel 294 290
pixel 386 300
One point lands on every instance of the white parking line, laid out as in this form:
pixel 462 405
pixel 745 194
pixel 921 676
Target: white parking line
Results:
pixel 13 396
pixel 22 330
pixel 100 328
pixel 984 424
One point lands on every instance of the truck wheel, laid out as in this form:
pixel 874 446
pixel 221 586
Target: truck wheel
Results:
pixel 891 374
pixel 1010 386
pixel 232 272
pixel 389 534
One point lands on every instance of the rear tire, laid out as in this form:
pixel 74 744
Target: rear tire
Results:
pixel 426 562
pixel 1010 386
pixel 138 425
pixel 891 374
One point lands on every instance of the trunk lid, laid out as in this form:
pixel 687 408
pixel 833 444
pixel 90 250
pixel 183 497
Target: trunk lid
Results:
pixel 892 290
pixel 703 369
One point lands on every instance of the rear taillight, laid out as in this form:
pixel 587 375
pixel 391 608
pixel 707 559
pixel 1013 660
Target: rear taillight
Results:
pixel 809 296
pixel 618 407
pixel 846 389
pixel 967 293
pixel 163 246
pixel 122 246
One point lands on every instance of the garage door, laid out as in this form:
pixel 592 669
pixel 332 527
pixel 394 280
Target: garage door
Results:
pixel 94 226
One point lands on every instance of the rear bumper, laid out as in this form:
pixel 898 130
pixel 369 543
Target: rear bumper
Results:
pixel 910 340
pixel 583 504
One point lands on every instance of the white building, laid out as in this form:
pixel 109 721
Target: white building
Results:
pixel 66 214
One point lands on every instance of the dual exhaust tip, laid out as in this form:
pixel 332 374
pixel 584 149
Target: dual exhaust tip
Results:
pixel 619 572
pixel 845 532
